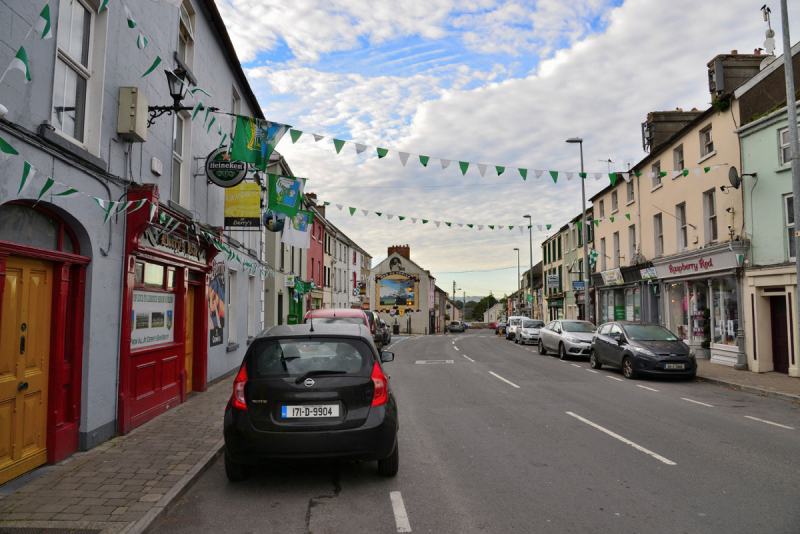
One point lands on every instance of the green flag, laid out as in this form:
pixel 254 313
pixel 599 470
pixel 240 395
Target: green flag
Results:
pixel 338 143
pixel 628 215
pixel 28 172
pixel 6 150
pixel 685 172
pixel 255 140
pixel 554 174
pixel 510 227
pixel 382 153
pixel 582 175
pixel 548 226
pixel 20 62
pixel 424 160
pixel 596 222
pixel 152 67
pixel 378 213
pixel 295 134
pixel 131 22
pixel 352 211
pixel 523 173
pixel 706 169
pixel 471 225
pixel 448 224
pixel 285 193
pixel 464 166
pixel 424 221
pixel 500 170
pixel 141 42
pixel 491 226
pixel 42 24
pixel 613 177
pixel 611 219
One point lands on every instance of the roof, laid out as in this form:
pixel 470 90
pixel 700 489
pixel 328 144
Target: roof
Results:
pixel 321 330
pixel 772 67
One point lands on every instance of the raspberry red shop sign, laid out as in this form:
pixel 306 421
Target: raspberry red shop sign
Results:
pixel 699 265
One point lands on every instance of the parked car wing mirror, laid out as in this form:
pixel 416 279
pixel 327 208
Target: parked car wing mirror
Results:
pixel 387 356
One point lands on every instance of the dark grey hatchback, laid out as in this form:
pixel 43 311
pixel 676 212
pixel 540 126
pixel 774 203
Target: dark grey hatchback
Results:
pixel 311 392
pixel 641 348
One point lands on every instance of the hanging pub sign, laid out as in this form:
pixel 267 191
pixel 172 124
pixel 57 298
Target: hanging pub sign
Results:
pixel 243 205
pixel 222 171
pixel 155 238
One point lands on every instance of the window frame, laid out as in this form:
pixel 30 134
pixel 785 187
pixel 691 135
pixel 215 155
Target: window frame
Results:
pixel 789 225
pixel 678 158
pixel 658 231
pixel 682 235
pixel 602 209
pixel 710 216
pixel 188 56
pixel 614 202
pixel 603 254
pixel 706 144
pixel 631 243
pixel 616 246
pixel 631 192
pixel 656 170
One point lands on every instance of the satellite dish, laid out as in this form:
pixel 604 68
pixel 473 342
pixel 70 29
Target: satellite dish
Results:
pixel 734 178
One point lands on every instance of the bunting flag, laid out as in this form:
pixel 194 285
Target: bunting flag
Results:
pixel 6 150
pixel 68 193
pixel 131 22
pixel 338 143
pixel 464 166
pixel 153 211
pixel 254 140
pixel 628 215
pixel 360 148
pixel 482 169
pixel 106 206
pixel 297 230
pixel 554 174
pixel 424 160
pixel 285 193
pixel 352 211
pixel 403 157
pixel 295 135
pixel 318 138
pixel 42 24
pixel 141 42
pixel 103 5
pixel 593 254
pixel 152 67
pixel 500 170
pixel 28 172
pixel 20 62
pixel 445 163
pixel 210 124
pixel 199 90
pixel 197 109
pixel 382 153
pixel 523 173
pixel 45 188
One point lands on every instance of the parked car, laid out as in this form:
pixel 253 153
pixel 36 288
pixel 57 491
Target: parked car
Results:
pixel 493 325
pixel 567 337
pixel 311 394
pixel 513 322
pixel 456 326
pixel 642 348
pixel 466 326
pixel 500 329
pixel 528 331
pixel 387 332
pixel 347 316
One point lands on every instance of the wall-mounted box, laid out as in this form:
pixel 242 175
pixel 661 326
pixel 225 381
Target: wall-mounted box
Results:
pixel 132 117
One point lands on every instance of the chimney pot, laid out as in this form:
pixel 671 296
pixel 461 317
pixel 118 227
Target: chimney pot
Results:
pixel 734 52
pixel 757 51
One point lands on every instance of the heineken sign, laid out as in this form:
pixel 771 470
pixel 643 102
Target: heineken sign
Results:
pixel 222 171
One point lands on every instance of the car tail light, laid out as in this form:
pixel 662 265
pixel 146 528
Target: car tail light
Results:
pixel 381 395
pixel 238 389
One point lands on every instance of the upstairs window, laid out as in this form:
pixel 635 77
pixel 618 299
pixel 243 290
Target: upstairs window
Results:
pixel 658 234
pixel 602 209
pixel 186 34
pixel 656 170
pixel 683 236
pixel 789 202
pixel 706 142
pixel 614 203
pixel 710 209
pixel 73 68
pixel 631 197
pixel 677 158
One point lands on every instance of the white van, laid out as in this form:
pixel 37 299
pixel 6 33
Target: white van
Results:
pixel 513 322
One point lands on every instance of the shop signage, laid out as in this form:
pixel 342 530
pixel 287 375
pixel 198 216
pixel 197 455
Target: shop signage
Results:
pixel 155 238
pixel 216 303
pixel 552 280
pixel 580 298
pixel 152 318
pixel 557 303
pixel 578 286
pixel 703 264
pixel 613 277
pixel 221 171
pixel 648 273
pixel 243 205
pixel 290 281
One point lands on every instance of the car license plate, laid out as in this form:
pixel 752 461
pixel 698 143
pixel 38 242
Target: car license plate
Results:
pixel 293 412
pixel 673 366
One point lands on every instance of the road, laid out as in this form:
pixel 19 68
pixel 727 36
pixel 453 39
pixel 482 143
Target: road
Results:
pixel 506 440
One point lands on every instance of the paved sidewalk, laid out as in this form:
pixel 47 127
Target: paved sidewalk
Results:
pixel 125 483
pixel 770 384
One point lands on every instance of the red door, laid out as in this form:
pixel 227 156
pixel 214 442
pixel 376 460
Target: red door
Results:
pixel 780 334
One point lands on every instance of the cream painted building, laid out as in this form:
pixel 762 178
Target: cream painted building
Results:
pixel 553 274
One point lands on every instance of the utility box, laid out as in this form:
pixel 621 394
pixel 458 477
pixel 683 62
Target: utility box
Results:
pixel 132 117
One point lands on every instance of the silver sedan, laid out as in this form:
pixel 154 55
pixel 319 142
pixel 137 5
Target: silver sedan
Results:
pixel 568 338
pixel 528 331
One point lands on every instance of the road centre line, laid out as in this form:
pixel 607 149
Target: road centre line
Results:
pixel 504 380
pixel 455 347
pixel 615 378
pixel 400 514
pixel 467 357
pixel 769 422
pixel 629 442
pixel 697 402
pixel 576 365
pixel 593 371
pixel 645 387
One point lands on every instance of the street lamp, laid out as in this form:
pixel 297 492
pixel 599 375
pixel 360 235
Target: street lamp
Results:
pixel 587 303
pixel 176 82
pixel 518 282
pixel 530 273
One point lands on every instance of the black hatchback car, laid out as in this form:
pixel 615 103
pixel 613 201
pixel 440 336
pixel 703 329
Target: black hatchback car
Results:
pixel 311 392
pixel 641 348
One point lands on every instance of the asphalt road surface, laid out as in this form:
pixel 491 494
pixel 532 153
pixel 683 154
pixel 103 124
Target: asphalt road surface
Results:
pixel 505 440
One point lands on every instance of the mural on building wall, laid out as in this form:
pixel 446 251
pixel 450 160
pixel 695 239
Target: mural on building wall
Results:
pixel 216 303
pixel 397 289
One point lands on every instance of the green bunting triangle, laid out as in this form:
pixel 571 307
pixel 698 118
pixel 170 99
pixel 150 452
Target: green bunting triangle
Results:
pixel 491 226
pixel 662 174
pixel 338 143
pixel 549 226
pixel 378 213
pixel 554 174
pixel 6 149
pixel 638 175
pixel 706 169
pixel 47 185
pixel 295 135
pixel 26 173
pixel 464 166
pixel 424 160
pixel 448 224
pixel 152 67
pixel 66 193
pixel 470 225
pixel 197 109
pixel 685 172
pixel 611 219
pixel 523 173
pixel 382 152
pixel 510 227
pixel 424 221
pixel 628 215
pixel 613 177
pixel 580 225
pixel 352 210
pixel 326 203
pixel 596 222
pixel 582 175
pixel 500 170
pixel 401 217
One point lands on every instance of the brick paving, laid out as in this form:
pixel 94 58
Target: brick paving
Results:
pixel 767 382
pixel 122 479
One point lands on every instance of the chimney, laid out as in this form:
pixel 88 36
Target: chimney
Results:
pixel 660 126
pixel 403 250
pixel 726 72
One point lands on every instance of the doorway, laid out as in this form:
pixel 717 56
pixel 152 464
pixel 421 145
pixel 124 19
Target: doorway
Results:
pixel 188 346
pixel 780 334
pixel 24 365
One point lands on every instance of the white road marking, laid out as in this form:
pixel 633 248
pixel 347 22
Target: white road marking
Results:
pixel 629 442
pixel 455 347
pixel 454 342
pixel 614 378
pixel 645 387
pixel 563 361
pixel 697 402
pixel 769 422
pixel 503 379
pixel 400 515
pixel 576 365
pixel 593 371
pixel 467 357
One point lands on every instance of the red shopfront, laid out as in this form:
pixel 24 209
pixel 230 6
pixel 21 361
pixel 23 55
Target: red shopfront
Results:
pixel 164 351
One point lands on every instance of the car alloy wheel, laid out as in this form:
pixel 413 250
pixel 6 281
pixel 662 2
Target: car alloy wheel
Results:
pixel 627 368
pixel 562 352
pixel 542 350
pixel 594 363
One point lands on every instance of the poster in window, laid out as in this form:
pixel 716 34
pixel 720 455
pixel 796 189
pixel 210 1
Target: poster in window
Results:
pixel 152 314
pixel 216 303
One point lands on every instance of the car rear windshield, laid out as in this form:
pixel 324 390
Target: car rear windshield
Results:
pixel 578 326
pixel 454 322
pixel 532 324
pixel 649 332
pixel 293 357
pixel 343 320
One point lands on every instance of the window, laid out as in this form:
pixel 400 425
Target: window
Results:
pixel 251 307
pixel 631 243
pixel 656 171
pixel 355 281
pixel 706 142
pixel 602 209
pixel 559 247
pixel 710 212
pixel 602 253
pixel 186 34
pixel 616 249
pixel 580 234
pixel 790 225
pixel 180 162
pixel 726 312
pixel 677 158
pixel 236 108
pixel 575 238
pixel 614 205
pixel 73 68
pixel 580 270
pixel 283 257
pixel 354 257
pixel 291 266
pixel 786 149
pixel 680 217
pixel 232 305
pixel 630 192
pixel 658 234
pixel 559 278
pixel 35 227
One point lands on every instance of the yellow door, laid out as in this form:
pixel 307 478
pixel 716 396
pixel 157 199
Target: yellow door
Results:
pixel 189 342
pixel 24 361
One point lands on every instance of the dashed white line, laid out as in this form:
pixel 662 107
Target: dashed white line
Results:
pixel 467 357
pixel 645 387
pixel 593 371
pixel 769 422
pixel 629 442
pixel 455 347
pixel 563 361
pixel 400 514
pixel 614 378
pixel 697 402
pixel 503 379
pixel 576 365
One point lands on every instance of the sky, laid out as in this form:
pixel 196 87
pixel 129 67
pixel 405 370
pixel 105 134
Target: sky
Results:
pixel 487 81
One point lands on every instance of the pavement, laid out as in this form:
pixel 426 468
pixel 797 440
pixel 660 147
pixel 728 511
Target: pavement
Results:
pixel 500 440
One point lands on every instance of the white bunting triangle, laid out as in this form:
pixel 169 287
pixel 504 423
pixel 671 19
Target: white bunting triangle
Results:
pixel 437 223
pixel 626 176
pixel 460 225
pixel 340 206
pixel 153 209
pixel 318 137
pixel 675 174
pixel 365 212
pixel 445 163
pixel 598 175
pixel 697 172
pixel 539 226
pixel 360 148
pixel 651 175
pixel 482 169
pixel 480 227
pixel 403 157
pixel 520 229
pixel 389 215
pixel 499 227
pixel 538 173
pixel 413 220
pixel 571 225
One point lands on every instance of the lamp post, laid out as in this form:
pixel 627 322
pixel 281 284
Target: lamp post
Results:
pixel 518 279
pixel 530 273
pixel 176 81
pixel 587 303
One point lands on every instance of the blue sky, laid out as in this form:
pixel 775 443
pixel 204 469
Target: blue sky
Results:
pixel 487 81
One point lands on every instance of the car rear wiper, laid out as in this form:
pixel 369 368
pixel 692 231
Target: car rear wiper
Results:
pixel 315 373
pixel 284 359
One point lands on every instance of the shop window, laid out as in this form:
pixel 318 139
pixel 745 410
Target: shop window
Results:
pixel 171 278
pixel 678 310
pixel 604 306
pixel 232 307
pixel 138 273
pixel 602 253
pixel 726 311
pixel 706 142
pixel 789 218
pixel 35 227
pixel 637 305
pixel 658 234
pixel 699 310
pixel 683 231
pixel 629 304
pixel 677 158
pixel 710 215
pixel 154 276
pixel 656 172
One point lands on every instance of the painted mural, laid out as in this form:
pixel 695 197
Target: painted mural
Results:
pixel 397 289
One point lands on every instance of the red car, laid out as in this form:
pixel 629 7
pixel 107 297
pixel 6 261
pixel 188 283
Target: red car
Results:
pixel 493 325
pixel 347 316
